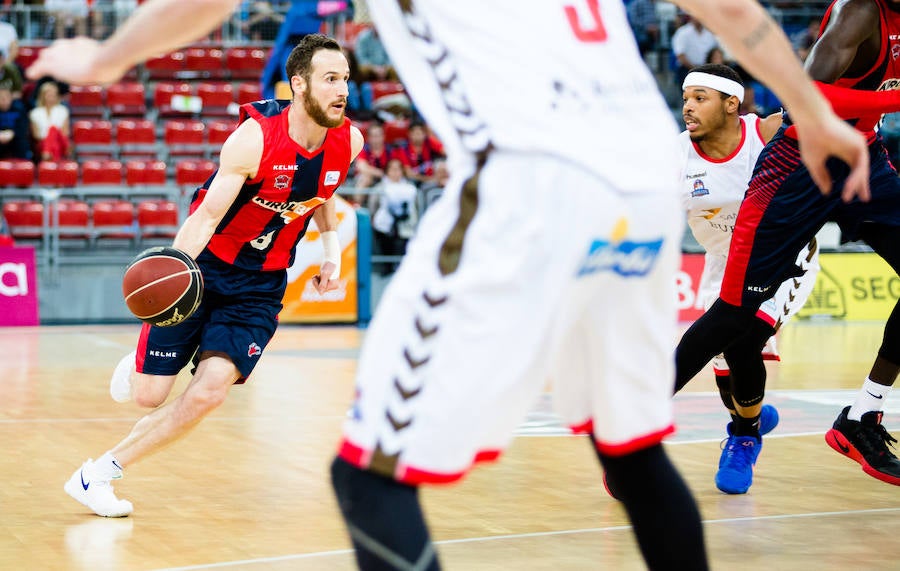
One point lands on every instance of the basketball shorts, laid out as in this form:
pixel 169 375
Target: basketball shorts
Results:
pixel 789 298
pixel 237 316
pixel 783 210
pixel 556 277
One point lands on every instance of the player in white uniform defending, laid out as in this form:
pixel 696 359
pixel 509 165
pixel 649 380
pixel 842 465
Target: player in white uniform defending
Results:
pixel 551 254
pixel 720 149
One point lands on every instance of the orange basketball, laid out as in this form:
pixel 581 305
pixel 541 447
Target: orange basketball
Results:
pixel 162 286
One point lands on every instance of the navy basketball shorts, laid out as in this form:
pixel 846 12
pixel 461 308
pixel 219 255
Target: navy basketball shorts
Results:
pixel 784 209
pixel 237 317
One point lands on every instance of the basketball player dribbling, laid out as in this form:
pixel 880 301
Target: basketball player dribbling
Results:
pixel 857 48
pixel 278 170
pixel 551 254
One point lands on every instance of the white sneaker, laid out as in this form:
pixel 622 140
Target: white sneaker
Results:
pixel 120 383
pixel 96 494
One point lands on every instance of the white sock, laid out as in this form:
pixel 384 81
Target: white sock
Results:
pixel 107 467
pixel 870 397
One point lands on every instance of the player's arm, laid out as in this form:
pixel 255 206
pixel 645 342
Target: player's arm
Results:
pixel 768 126
pixel 238 161
pixel 761 47
pixel 850 24
pixel 326 221
pixel 156 27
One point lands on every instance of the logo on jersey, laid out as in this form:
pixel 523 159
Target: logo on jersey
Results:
pixel 282 181
pixel 332 177
pixel 292 209
pixel 620 256
pixel 253 350
pixel 699 189
pixel 895 51
pixel 889 84
pixel 711 213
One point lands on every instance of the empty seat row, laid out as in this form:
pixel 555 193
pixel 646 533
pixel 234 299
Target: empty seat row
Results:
pixel 76 219
pixel 129 99
pixel 69 174
pixel 94 138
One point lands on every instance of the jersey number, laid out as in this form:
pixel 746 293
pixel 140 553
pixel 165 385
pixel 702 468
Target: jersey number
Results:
pixel 594 31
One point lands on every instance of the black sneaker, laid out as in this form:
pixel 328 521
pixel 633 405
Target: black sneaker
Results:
pixel 867 443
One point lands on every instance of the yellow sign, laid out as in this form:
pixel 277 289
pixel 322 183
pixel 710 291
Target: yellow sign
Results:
pixel 302 303
pixel 853 286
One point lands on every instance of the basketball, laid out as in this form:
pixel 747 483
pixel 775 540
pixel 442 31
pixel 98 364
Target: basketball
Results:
pixel 162 286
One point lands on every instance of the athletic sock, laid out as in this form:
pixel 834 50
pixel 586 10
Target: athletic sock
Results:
pixel 384 519
pixel 106 467
pixel 744 426
pixel 870 397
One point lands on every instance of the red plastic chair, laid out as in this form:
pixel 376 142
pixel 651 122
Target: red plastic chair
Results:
pixel 162 98
pixel 126 99
pixel 157 218
pixel 101 173
pixel 27 55
pixel 93 139
pixel 203 62
pixel 248 92
pixel 87 101
pixel 217 98
pixel 185 138
pixel 168 66
pixel 58 174
pixel 73 219
pixel 245 63
pixel 25 219
pixel 193 173
pixel 16 172
pixel 137 139
pixel 113 218
pixel 141 173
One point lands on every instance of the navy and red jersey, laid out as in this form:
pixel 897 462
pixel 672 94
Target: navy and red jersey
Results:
pixel 272 210
pixel 377 160
pixel 884 72
pixel 422 159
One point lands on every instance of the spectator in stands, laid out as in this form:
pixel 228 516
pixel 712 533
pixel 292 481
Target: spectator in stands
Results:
pixel 690 45
pixel 434 188
pixel 14 140
pixel 9 41
pixel 419 152
pixel 263 23
pixel 10 77
pixel 644 24
pixel 50 124
pixel 717 56
pixel 372 58
pixel 373 159
pixel 69 17
pixel 804 39
pixel 106 15
pixel 396 216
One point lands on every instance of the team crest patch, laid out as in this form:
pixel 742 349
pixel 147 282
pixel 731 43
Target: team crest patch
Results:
pixel 699 188
pixel 895 51
pixel 253 350
pixel 332 177
pixel 282 181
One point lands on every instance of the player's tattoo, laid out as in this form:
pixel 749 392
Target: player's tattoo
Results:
pixel 758 35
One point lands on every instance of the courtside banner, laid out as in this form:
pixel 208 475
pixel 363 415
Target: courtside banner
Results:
pixel 853 286
pixel 18 286
pixel 302 304
pixel 686 284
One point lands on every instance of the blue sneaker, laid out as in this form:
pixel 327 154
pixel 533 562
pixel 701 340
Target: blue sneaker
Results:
pixel 736 464
pixel 768 420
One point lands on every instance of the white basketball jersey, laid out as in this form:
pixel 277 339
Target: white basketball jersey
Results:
pixel 600 109
pixel 712 189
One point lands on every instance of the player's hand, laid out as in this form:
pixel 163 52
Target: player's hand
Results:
pixel 75 61
pixel 832 137
pixel 327 284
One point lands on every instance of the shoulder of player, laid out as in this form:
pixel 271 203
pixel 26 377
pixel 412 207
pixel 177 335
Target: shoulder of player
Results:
pixel 860 14
pixel 357 141
pixel 243 148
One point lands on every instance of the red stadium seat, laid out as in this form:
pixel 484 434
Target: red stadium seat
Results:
pixel 24 218
pixel 248 92
pixel 396 131
pixel 93 139
pixel 217 98
pixel 185 138
pixel 168 66
pixel 27 55
pixel 163 94
pixel 245 63
pixel 72 221
pixel 200 62
pixel 157 218
pixel 114 218
pixel 218 131
pixel 58 174
pixel 16 172
pixel 193 173
pixel 101 173
pixel 137 139
pixel 385 88
pixel 139 173
pixel 87 101
pixel 126 99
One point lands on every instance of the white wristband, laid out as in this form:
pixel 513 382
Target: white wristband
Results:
pixel 332 252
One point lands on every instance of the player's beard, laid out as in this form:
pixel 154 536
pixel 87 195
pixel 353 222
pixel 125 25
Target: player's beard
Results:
pixel 318 114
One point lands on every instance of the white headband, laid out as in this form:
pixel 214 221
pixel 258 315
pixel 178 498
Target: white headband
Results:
pixel 723 84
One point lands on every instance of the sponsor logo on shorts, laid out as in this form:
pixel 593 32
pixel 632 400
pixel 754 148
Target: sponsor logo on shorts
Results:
pixel 626 258
pixel 253 350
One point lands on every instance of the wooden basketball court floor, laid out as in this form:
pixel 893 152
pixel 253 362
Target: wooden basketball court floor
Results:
pixel 248 489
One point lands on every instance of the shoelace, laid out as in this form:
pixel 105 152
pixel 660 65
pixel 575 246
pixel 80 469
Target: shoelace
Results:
pixel 876 439
pixel 736 453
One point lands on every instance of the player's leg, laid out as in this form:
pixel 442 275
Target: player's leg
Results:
pixel 455 354
pixel 858 432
